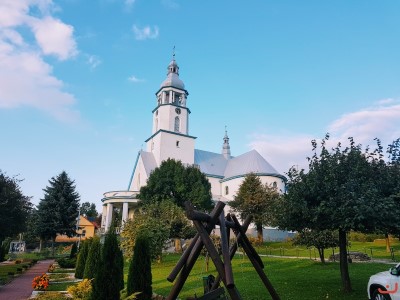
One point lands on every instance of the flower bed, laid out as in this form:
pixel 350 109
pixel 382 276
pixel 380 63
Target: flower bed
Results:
pixel 41 283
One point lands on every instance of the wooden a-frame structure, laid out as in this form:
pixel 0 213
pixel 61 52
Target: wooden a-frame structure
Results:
pixel 204 224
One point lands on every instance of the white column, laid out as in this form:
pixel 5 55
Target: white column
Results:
pixel 109 215
pixel 125 209
pixel 103 216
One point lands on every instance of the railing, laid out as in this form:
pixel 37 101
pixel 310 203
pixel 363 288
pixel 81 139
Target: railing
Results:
pixel 102 230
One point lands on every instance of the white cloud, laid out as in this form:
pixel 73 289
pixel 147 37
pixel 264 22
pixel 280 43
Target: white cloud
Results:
pixel 129 3
pixel 25 78
pixel 134 79
pixel 93 61
pixel 379 121
pixel 170 4
pixel 145 33
pixel 54 37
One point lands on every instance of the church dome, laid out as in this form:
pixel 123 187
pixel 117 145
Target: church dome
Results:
pixel 173 77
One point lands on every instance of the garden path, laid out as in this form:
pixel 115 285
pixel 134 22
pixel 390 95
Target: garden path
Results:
pixel 21 287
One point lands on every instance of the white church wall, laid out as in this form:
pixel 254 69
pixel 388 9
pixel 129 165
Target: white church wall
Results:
pixel 139 177
pixel 176 147
pixel 215 185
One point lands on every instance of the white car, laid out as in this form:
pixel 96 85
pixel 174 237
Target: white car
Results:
pixel 385 285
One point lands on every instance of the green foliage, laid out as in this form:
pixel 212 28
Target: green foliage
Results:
pixel 159 221
pixel 139 276
pixel 89 210
pixel 68 263
pixel 93 258
pixel 364 237
pixel 172 181
pixel 319 239
pixel 255 199
pixel 58 210
pixel 107 282
pixel 81 291
pixel 82 257
pixel 74 251
pixel 14 207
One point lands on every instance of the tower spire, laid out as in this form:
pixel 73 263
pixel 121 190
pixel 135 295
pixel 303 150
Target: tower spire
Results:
pixel 226 149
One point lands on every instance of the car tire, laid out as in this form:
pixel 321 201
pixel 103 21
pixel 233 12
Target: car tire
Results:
pixel 377 296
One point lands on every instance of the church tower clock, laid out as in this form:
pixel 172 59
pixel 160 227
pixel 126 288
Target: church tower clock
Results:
pixel 170 136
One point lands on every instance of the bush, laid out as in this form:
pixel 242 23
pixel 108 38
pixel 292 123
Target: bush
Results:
pixel 92 261
pixel 67 263
pixel 82 256
pixel 363 237
pixel 139 276
pixel 74 251
pixel 81 291
pixel 51 296
pixel 40 283
pixel 107 282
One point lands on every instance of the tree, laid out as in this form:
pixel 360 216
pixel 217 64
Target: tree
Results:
pixel 58 210
pixel 107 282
pixel 337 193
pixel 74 251
pixel 161 221
pixel 172 181
pixel 139 276
pixel 82 257
pixel 14 207
pixel 319 239
pixel 88 210
pixel 92 260
pixel 255 199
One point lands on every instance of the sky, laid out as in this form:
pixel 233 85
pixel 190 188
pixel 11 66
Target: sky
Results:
pixel 78 81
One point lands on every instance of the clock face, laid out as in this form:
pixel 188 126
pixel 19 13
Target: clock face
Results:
pixel 178 110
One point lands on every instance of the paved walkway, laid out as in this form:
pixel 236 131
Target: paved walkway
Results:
pixel 21 287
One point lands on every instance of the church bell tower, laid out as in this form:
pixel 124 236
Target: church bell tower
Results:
pixel 170 135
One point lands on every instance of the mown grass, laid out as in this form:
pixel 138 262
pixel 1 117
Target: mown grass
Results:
pixel 292 278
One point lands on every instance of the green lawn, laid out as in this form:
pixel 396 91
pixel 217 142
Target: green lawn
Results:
pixel 13 268
pixel 292 278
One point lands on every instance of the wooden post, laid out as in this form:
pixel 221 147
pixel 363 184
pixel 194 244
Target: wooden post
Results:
pixel 188 264
pixel 225 251
pixel 242 239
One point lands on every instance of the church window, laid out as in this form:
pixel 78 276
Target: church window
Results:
pixel 274 185
pixel 176 127
pixel 177 144
pixel 226 190
pixel 156 124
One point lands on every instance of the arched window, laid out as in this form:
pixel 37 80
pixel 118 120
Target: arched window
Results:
pixel 226 190
pixel 274 185
pixel 176 128
pixel 156 124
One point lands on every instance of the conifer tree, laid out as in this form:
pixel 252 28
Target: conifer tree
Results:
pixel 82 257
pixel 58 210
pixel 139 276
pixel 74 251
pixel 92 260
pixel 107 282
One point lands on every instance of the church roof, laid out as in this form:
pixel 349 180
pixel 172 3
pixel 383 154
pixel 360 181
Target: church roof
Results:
pixel 210 163
pixel 249 162
pixel 173 77
pixel 149 161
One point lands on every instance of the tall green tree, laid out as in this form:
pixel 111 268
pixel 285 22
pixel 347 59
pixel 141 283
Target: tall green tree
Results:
pixel 93 258
pixel 89 210
pixel 107 282
pixel 337 193
pixel 139 275
pixel 58 210
pixel 177 183
pixel 14 207
pixel 255 199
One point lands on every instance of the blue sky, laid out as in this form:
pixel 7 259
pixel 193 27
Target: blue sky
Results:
pixel 77 80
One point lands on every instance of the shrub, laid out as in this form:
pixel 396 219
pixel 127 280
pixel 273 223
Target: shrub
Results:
pixel 10 273
pixel 51 268
pixel 81 291
pixel 51 296
pixel 107 282
pixel 67 263
pixel 92 261
pixel 40 283
pixel 139 276
pixel 74 251
pixel 82 256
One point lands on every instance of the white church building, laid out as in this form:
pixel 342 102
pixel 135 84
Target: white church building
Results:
pixel 170 138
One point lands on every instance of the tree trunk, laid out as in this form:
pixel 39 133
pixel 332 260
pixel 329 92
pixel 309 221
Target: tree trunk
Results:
pixel 260 233
pixel 344 267
pixel 40 245
pixel 387 242
pixel 321 255
pixel 178 246
pixel 52 247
